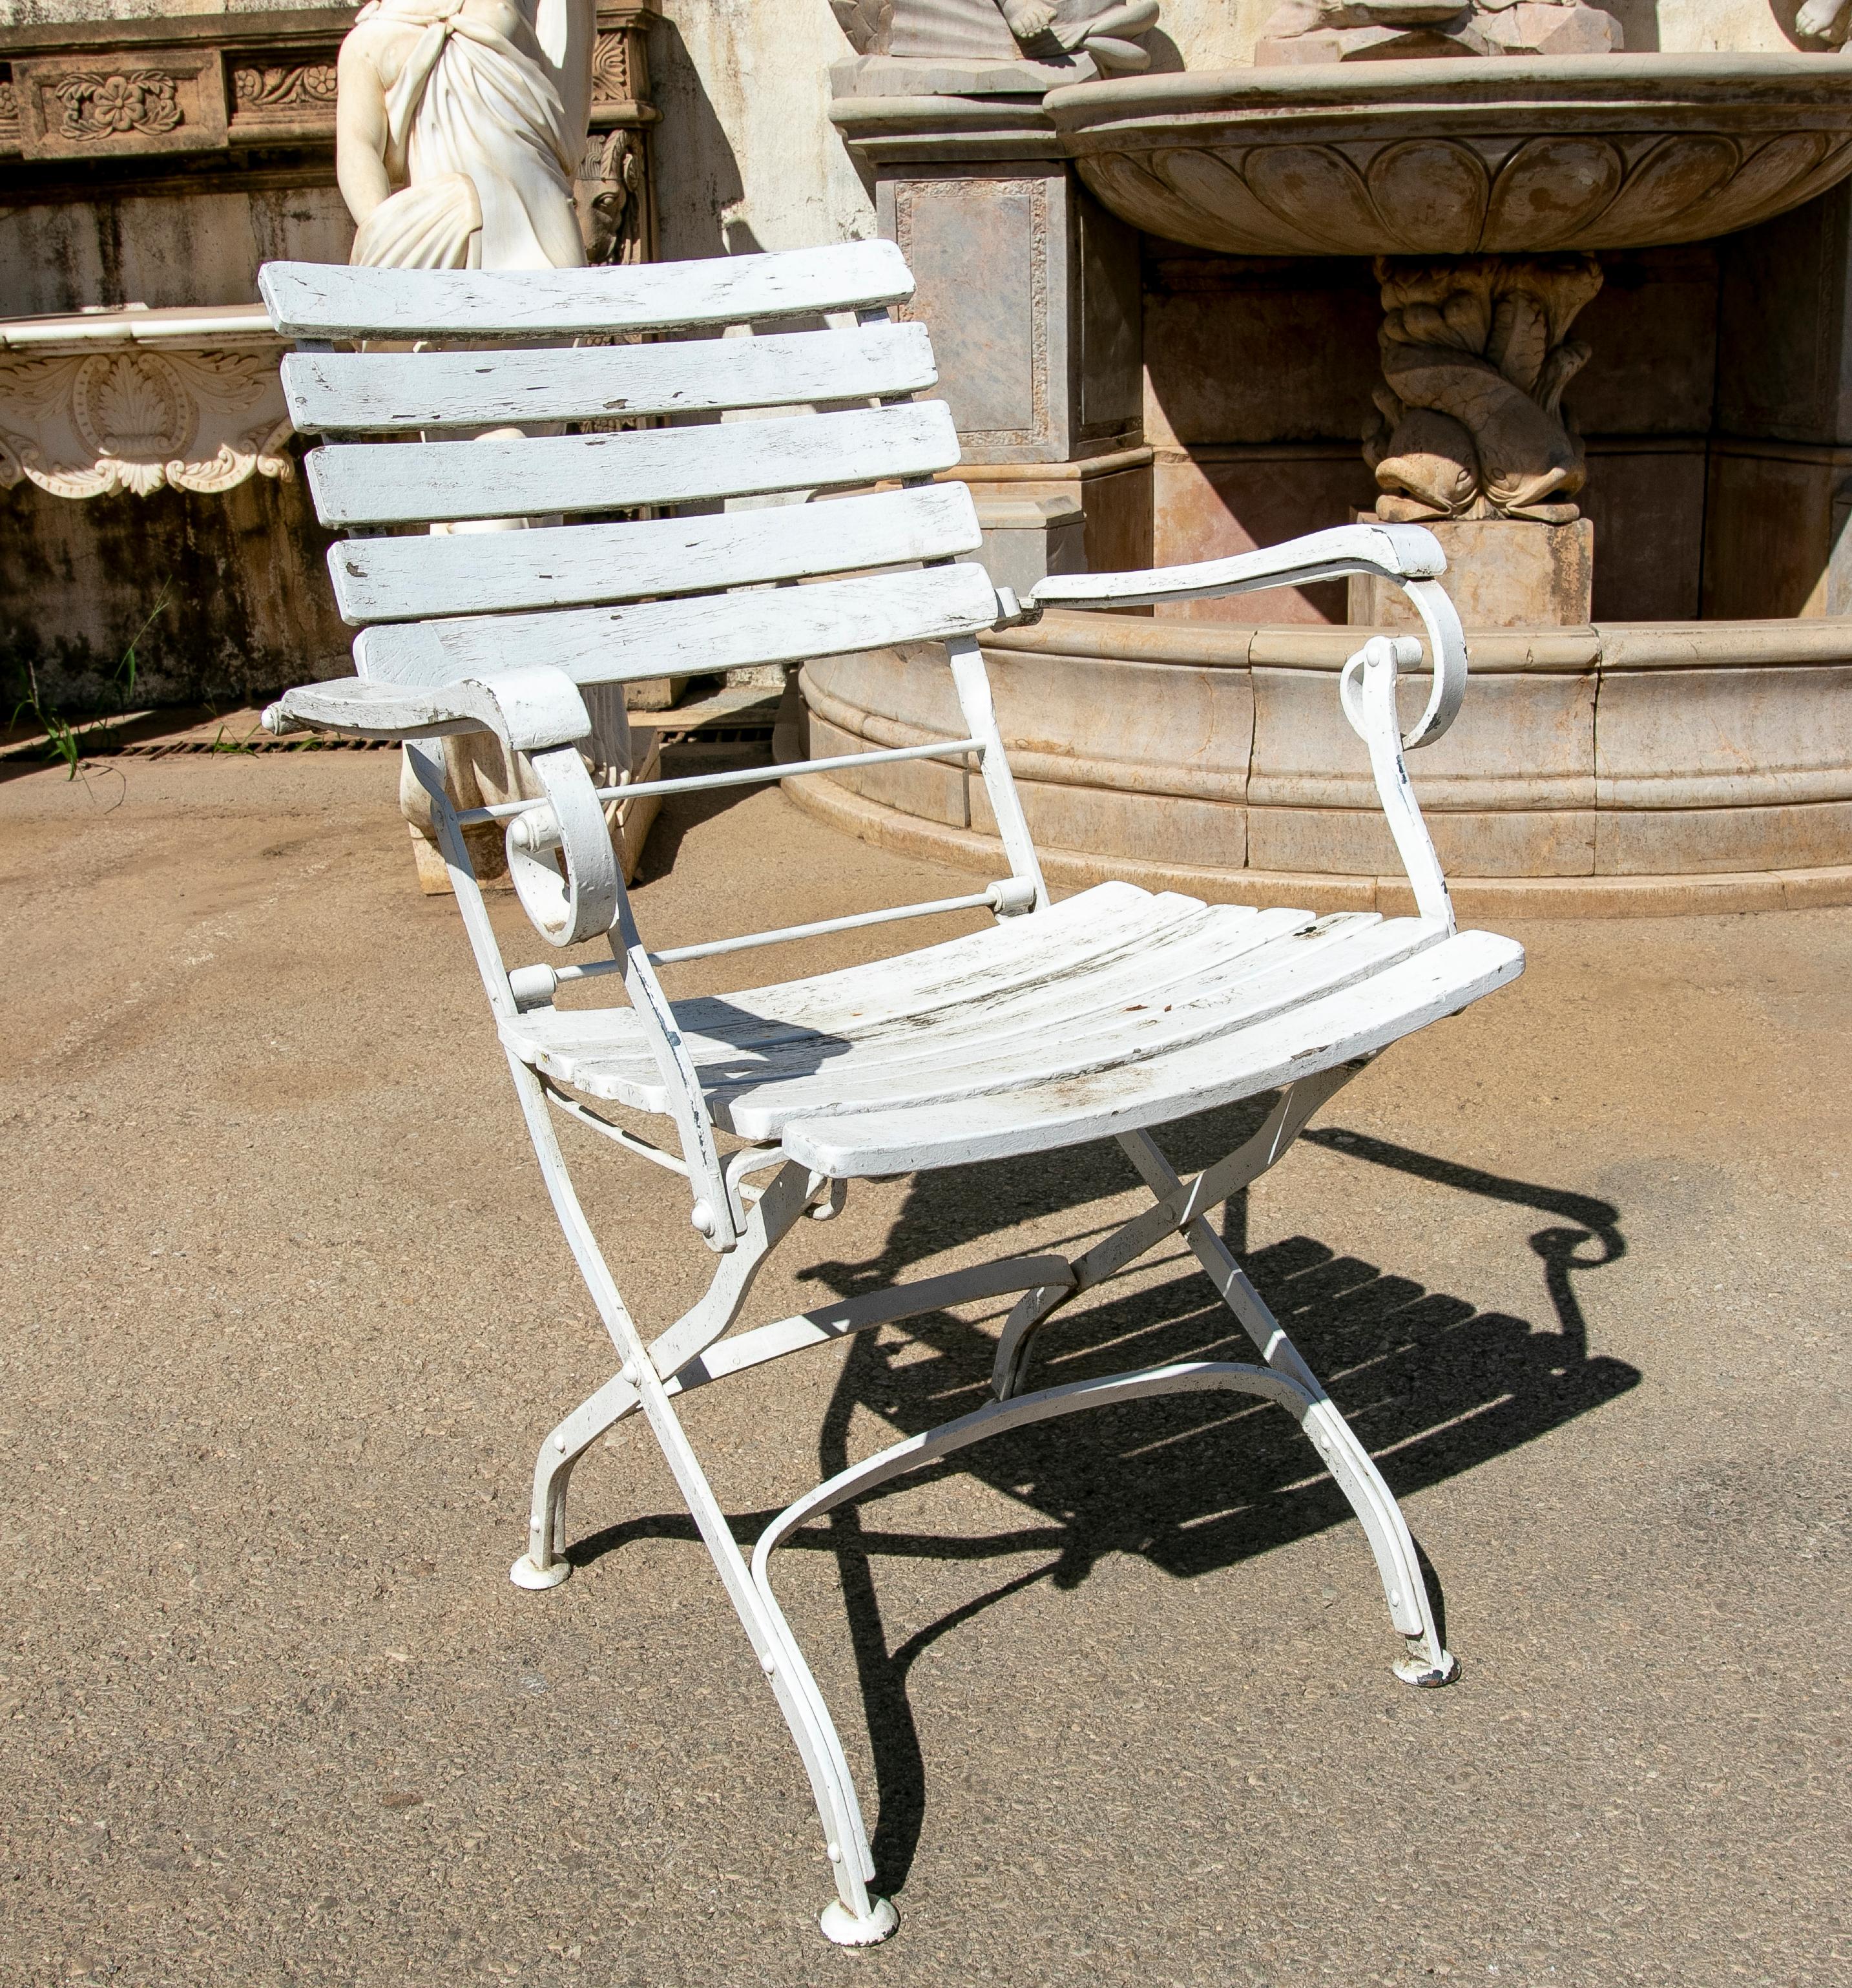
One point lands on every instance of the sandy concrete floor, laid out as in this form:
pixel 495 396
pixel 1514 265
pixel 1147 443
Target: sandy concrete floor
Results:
pixel 285 1316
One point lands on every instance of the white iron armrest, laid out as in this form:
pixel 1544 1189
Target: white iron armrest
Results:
pixel 1406 555
pixel 526 708
pixel 559 858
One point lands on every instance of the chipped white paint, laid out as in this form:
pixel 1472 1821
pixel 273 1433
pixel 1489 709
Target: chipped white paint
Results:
pixel 1110 1015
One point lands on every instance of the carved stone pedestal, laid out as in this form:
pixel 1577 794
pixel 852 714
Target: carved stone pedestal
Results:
pixel 1032 292
pixel 1502 572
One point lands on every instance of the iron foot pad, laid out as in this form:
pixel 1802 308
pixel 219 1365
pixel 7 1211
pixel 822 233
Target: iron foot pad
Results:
pixel 523 1574
pixel 1417 1668
pixel 841 1925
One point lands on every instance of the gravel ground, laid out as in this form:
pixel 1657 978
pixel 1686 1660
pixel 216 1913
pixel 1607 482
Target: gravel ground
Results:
pixel 284 1315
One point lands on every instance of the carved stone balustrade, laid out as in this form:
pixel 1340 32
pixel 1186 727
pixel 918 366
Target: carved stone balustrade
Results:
pixel 137 400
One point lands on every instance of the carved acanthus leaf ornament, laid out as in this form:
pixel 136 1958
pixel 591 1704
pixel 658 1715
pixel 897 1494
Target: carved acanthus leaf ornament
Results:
pixel 90 424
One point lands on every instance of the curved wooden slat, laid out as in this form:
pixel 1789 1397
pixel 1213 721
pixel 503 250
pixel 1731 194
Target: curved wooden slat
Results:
pixel 378 483
pixel 328 300
pixel 401 579
pixel 716 632
pixel 383 392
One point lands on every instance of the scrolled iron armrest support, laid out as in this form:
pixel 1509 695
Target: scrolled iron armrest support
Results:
pixel 560 857
pixel 1408 555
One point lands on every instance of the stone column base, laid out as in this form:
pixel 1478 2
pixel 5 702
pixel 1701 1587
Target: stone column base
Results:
pixel 1501 573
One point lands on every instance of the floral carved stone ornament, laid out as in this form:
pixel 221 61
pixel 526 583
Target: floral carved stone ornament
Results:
pixel 102 106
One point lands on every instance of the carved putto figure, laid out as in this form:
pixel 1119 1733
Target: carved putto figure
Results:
pixel 1322 31
pixel 1060 32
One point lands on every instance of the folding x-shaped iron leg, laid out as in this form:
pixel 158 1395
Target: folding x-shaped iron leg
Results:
pixel 693 1352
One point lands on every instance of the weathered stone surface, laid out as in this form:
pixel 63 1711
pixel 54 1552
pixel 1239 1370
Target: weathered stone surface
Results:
pixel 1784 360
pixel 1457 158
pixel 1210 503
pixel 1772 525
pixel 1632 758
pixel 1039 360
pixel 1651 332
pixel 1646 500
pixel 1243 348
pixel 1501 573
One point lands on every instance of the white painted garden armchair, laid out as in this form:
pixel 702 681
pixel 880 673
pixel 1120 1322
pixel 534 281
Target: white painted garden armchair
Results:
pixel 775 1100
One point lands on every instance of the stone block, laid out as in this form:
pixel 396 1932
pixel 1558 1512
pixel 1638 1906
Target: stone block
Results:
pixel 1501 573
pixel 1754 737
pixel 1784 356
pixel 1105 822
pixel 1211 503
pixel 1031 292
pixel 1118 528
pixel 1646 502
pixel 1560 843
pixel 1652 330
pixel 1027 538
pixel 67 256
pixel 1524 740
pixel 1770 528
pixel 1673 842
pixel 1240 348
pixel 249 609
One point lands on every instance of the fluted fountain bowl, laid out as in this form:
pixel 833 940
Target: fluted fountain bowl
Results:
pixel 1464 156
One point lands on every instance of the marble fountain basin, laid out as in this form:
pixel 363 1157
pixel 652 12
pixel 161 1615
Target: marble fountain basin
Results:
pixel 1614 769
pixel 1461 157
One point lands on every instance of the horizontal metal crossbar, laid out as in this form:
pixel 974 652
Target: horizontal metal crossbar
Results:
pixel 535 984
pixel 1012 895
pixel 739 776
pixel 825 1323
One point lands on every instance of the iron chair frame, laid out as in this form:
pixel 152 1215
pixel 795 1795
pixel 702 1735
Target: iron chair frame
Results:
pixel 566 871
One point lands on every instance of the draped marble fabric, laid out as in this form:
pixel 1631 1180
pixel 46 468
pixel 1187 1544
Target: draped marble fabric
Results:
pixel 480 150
pixel 477 143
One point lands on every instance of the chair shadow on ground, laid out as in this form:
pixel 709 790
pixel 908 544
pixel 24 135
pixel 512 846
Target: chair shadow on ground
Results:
pixel 1432 1384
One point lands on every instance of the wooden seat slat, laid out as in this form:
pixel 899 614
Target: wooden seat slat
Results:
pixel 715 631
pixel 1197 973
pixel 382 392
pixel 331 300
pixel 1098 929
pixel 378 483
pixel 1307 1038
pixel 402 579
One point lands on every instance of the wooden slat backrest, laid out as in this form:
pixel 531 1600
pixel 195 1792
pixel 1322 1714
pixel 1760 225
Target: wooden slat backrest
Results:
pixel 610 601
pixel 330 300
pixel 410 578
pixel 382 392
pixel 374 483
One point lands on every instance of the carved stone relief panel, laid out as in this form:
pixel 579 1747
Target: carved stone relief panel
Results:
pixel 282 96
pixel 992 336
pixel 125 416
pixel 73 106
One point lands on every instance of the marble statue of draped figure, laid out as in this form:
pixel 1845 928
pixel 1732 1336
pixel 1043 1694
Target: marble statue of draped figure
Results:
pixel 460 125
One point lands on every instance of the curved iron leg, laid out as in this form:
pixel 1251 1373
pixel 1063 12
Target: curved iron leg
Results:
pixel 541 1566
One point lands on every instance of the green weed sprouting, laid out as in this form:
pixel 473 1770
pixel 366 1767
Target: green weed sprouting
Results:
pixel 62 741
